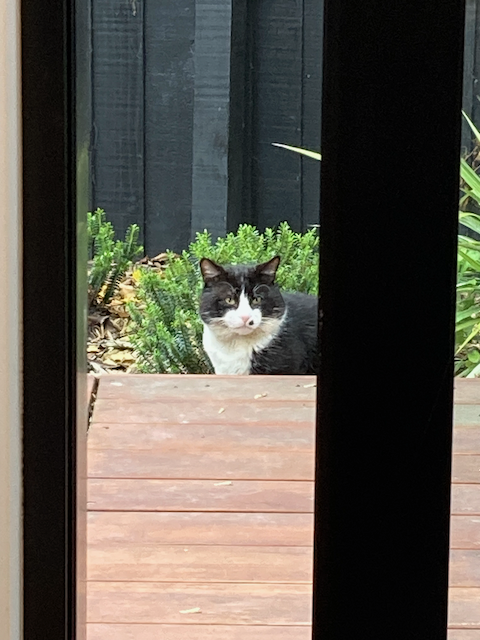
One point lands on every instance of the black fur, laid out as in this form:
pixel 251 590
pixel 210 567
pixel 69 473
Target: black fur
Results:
pixel 294 351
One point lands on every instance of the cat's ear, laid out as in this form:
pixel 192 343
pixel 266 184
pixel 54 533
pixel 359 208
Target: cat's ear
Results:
pixel 267 270
pixel 211 271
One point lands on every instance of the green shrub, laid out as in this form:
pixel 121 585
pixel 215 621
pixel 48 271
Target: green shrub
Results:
pixel 167 330
pixel 109 258
pixel 467 325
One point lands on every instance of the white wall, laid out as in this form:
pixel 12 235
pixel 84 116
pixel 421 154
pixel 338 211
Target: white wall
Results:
pixel 10 325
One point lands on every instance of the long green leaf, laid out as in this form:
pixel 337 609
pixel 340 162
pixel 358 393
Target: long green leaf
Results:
pixel 471 178
pixel 473 263
pixel 305 152
pixel 468 339
pixel 470 220
pixel 476 132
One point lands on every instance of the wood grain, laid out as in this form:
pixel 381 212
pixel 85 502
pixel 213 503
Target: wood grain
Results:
pixel 466 438
pixel 192 507
pixel 216 465
pixel 464 608
pixel 188 438
pixel 464 568
pixel 462 634
pixel 465 499
pixel 466 415
pixel 179 563
pixel 269 529
pixel 162 387
pixel 466 391
pixel 202 412
pixel 466 469
pixel 201 632
pixel 465 532
pixel 237 604
pixel 200 495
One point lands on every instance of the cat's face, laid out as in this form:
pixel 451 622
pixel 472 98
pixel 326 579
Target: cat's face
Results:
pixel 240 299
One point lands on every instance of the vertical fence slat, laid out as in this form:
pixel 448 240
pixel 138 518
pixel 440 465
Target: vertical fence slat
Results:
pixel 117 145
pixel 277 112
pixel 238 206
pixel 211 116
pixel 469 70
pixel 169 85
pixel 473 50
pixel 311 106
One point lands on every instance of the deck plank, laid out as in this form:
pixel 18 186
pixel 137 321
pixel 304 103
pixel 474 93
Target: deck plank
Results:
pixel 271 529
pixel 200 495
pixel 150 562
pixel 226 604
pixel 210 465
pixel 187 438
pixel 466 469
pixel 465 532
pixel 466 438
pixel 176 388
pixel 464 608
pixel 202 632
pixel 201 412
pixel 465 499
pixel 464 568
pixel 466 391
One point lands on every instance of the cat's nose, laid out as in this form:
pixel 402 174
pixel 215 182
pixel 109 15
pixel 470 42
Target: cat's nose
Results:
pixel 247 319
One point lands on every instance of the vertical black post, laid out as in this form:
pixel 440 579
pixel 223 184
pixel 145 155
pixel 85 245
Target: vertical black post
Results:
pixel 49 312
pixel 389 222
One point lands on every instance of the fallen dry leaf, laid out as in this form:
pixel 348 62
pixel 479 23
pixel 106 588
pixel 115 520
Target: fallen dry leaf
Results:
pixel 221 410
pixel 260 395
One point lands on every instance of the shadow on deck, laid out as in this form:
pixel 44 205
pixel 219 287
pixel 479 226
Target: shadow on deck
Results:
pixel 200 506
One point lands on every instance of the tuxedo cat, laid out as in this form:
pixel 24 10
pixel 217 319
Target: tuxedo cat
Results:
pixel 250 327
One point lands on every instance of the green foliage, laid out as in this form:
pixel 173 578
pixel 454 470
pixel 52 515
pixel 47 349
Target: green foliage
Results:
pixel 467 325
pixel 467 322
pixel 110 258
pixel 167 331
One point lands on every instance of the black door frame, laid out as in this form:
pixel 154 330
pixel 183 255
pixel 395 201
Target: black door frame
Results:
pixel 55 123
pixel 389 217
pixel 384 446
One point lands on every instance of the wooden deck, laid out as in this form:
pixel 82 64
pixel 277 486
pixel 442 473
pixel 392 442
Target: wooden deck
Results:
pixel 200 509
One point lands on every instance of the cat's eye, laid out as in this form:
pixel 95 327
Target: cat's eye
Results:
pixel 257 300
pixel 229 300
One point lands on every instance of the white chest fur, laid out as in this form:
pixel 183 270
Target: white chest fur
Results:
pixel 232 355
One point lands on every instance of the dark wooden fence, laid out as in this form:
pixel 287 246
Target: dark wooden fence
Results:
pixel 187 97
pixel 471 70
